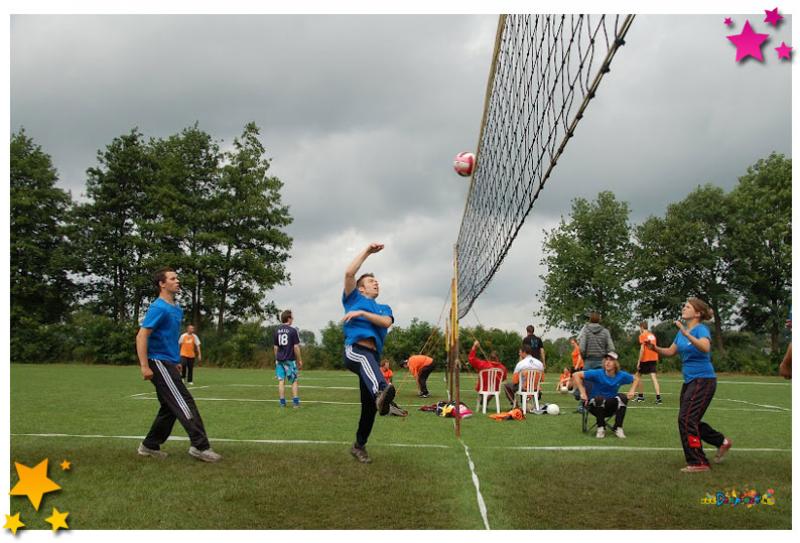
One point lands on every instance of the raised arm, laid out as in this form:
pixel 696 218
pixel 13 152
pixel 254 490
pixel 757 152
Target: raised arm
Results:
pixel 352 269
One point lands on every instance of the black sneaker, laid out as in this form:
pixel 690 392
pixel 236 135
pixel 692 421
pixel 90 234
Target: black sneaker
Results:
pixel 640 398
pixel 424 395
pixel 384 400
pixel 360 454
pixel 658 400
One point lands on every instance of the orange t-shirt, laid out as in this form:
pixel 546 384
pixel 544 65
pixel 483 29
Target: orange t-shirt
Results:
pixel 649 354
pixel 565 375
pixel 417 362
pixel 187 346
pixel 387 374
pixel 577 359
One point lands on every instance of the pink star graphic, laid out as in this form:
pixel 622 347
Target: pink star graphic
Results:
pixel 748 43
pixel 784 51
pixel 773 17
pixel 728 21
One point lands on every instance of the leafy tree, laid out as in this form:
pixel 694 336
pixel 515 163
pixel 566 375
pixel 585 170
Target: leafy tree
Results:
pixel 249 218
pixel 41 291
pixel 683 255
pixel 759 241
pixel 109 229
pixel 588 265
pixel 332 344
pixel 404 342
pixel 187 183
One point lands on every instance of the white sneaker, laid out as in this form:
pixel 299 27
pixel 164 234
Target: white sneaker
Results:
pixel 207 455
pixel 155 453
pixel 619 433
pixel 601 432
pixel 191 383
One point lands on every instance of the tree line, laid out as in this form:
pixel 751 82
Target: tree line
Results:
pixel 731 249
pixel 81 270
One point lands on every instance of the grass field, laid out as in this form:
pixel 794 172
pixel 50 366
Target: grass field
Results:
pixel 286 468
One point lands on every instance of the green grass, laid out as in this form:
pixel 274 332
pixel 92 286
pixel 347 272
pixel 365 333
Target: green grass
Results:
pixel 429 486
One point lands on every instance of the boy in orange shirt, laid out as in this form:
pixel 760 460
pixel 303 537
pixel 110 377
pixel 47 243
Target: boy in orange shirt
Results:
pixel 648 359
pixel 386 371
pixel 420 366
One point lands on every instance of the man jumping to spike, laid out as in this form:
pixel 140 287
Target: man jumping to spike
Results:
pixel 366 323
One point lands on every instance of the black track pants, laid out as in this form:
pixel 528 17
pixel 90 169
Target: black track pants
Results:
pixel 176 403
pixel 696 396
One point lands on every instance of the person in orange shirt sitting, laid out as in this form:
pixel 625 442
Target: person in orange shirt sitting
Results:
pixel 386 370
pixel 420 366
pixel 565 381
pixel 479 365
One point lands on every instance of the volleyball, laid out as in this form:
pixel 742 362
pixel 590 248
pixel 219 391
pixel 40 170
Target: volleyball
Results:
pixel 464 164
pixel 552 409
pixel 564 389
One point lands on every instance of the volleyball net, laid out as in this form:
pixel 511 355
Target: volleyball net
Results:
pixel 545 71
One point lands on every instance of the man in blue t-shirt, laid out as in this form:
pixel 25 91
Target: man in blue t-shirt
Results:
pixel 603 399
pixel 366 323
pixel 287 358
pixel 159 361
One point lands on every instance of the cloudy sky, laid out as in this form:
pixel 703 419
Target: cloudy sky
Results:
pixel 362 116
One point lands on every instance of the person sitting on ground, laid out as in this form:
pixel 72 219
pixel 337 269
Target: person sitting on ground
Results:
pixel 386 370
pixel 420 366
pixel 526 362
pixel 604 398
pixel 479 365
pixel 564 381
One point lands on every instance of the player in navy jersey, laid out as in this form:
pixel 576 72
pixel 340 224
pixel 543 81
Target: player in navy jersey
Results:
pixel 366 323
pixel 287 358
pixel 159 361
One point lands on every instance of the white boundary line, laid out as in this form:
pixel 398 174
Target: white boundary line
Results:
pixel 254 400
pixel 620 448
pixel 477 483
pixel 756 404
pixel 410 445
pixel 232 440
pixel 766 408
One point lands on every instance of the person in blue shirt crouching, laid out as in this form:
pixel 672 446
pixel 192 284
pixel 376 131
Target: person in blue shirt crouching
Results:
pixel 604 399
pixel 366 323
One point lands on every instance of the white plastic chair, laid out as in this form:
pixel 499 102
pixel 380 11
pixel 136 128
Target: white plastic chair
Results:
pixel 489 385
pixel 530 383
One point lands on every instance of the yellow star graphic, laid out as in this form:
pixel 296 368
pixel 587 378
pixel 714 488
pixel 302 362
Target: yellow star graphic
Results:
pixel 66 465
pixel 33 482
pixel 13 523
pixel 58 520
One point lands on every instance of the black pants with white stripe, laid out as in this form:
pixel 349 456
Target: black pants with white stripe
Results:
pixel 696 396
pixel 176 403
pixel 364 362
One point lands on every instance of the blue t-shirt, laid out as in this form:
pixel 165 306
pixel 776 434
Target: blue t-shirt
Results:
pixel 285 339
pixel 164 319
pixel 603 385
pixel 696 363
pixel 361 328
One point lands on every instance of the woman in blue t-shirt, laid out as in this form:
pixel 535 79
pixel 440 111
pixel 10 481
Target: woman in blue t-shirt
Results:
pixel 693 343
